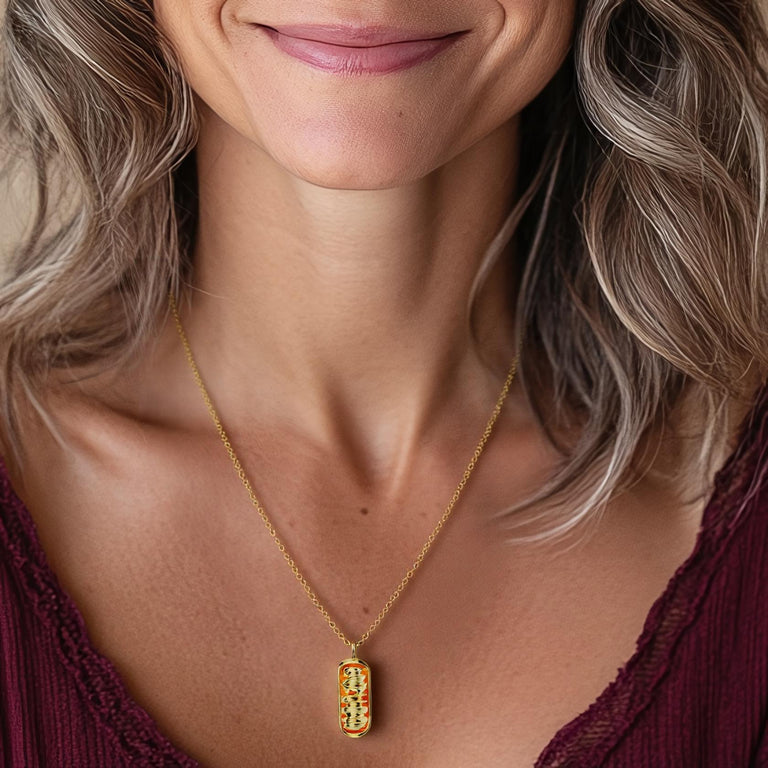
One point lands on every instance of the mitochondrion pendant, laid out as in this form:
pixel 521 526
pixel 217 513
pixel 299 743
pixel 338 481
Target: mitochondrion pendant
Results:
pixel 354 697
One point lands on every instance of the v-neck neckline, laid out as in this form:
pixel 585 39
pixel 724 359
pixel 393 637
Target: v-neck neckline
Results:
pixel 584 740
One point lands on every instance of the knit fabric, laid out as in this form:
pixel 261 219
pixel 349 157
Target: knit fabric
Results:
pixel 693 695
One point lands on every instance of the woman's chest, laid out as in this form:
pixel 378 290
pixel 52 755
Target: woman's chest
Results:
pixel 485 655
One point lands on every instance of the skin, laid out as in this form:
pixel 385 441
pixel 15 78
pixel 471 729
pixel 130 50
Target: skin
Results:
pixel 342 222
pixel 339 205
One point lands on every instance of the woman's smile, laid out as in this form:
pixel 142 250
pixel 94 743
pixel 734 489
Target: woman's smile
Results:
pixel 358 51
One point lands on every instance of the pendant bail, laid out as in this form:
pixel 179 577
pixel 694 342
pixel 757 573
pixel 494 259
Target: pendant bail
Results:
pixel 354 650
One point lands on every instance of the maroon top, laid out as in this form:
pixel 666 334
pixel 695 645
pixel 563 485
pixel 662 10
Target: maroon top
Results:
pixel 693 695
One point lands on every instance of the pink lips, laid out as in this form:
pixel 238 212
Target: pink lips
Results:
pixel 358 50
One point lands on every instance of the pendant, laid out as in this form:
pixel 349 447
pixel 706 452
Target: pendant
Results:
pixel 354 696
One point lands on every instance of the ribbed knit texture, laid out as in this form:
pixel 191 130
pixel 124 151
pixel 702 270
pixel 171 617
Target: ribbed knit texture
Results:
pixel 693 695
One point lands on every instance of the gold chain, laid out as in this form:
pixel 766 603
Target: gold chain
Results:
pixel 271 528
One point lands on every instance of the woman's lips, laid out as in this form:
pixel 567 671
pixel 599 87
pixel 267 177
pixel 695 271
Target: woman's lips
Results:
pixel 358 51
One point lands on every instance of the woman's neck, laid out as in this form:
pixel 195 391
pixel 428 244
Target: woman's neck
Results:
pixel 350 305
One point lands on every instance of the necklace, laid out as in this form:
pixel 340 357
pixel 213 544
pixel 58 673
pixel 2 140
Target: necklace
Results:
pixel 353 674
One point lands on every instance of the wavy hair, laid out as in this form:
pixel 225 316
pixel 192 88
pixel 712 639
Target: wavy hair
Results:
pixel 640 233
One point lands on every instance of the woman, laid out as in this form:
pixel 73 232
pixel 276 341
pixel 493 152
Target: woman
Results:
pixel 369 218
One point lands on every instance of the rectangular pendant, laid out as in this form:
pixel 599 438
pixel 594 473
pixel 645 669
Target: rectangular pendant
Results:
pixel 354 697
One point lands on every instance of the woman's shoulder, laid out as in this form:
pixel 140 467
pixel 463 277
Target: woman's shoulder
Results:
pixel 735 522
pixel 740 484
pixel 38 465
pixel 61 698
pixel 25 586
pixel 702 658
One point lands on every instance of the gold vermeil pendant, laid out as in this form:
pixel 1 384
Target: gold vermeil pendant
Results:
pixel 354 697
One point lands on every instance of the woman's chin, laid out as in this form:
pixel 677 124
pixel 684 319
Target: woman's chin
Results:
pixel 350 173
pixel 352 165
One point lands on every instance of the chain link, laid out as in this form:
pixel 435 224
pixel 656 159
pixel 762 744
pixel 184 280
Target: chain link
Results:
pixel 271 528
